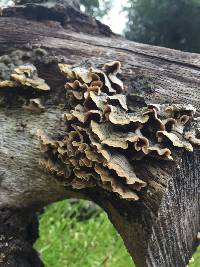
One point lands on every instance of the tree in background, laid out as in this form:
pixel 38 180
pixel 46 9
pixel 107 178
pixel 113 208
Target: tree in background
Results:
pixel 96 8
pixel 170 23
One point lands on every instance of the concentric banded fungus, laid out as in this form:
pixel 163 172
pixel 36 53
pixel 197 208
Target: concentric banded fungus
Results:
pixel 104 138
pixel 25 76
pixel 34 105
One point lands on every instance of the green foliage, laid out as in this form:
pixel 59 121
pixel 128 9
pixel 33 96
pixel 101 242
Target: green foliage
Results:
pixel 90 5
pixel 69 239
pixel 169 23
pixel 76 234
pixel 96 8
pixel 195 261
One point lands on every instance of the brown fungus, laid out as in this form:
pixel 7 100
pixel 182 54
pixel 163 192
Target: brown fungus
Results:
pixel 25 76
pixel 193 135
pixel 34 106
pixel 8 83
pixel 104 138
pixel 112 69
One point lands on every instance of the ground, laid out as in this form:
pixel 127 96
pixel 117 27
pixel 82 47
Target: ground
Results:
pixel 74 234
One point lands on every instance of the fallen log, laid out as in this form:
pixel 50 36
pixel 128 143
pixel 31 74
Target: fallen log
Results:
pixel 160 227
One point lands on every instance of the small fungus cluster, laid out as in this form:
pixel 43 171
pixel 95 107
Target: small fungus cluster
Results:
pixel 8 62
pixel 25 76
pixel 104 138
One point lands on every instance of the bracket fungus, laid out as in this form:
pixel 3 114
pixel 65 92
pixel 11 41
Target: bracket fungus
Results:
pixel 104 137
pixel 25 76
pixel 34 106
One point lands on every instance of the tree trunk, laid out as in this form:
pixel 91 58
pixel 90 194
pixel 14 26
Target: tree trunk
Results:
pixel 158 230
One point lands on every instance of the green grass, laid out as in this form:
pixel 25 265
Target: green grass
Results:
pixel 67 240
pixel 75 234
pixel 195 261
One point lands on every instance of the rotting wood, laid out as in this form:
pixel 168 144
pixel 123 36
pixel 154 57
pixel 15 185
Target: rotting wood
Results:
pixel 161 228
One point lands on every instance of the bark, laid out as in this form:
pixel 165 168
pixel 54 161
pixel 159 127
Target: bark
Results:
pixel 18 232
pixel 158 230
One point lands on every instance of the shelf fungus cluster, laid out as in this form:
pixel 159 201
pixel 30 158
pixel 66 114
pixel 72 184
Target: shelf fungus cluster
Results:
pixel 104 139
pixel 25 76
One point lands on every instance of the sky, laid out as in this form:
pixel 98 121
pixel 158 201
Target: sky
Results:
pixel 5 3
pixel 116 18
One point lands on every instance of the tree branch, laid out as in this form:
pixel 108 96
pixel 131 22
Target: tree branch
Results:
pixel 158 230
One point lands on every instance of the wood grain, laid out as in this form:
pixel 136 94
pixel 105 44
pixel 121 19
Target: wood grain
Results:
pixel 160 229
